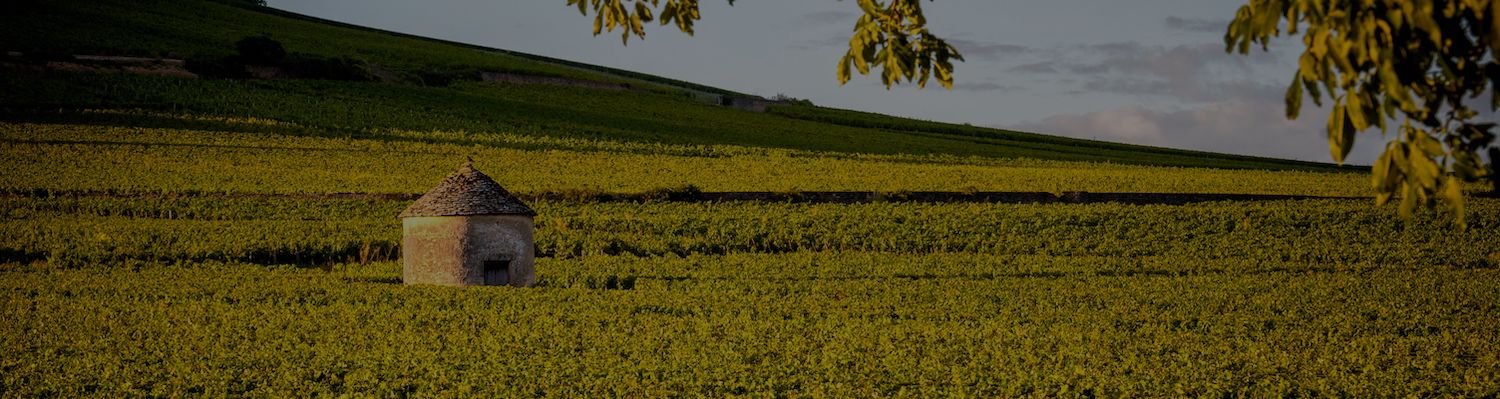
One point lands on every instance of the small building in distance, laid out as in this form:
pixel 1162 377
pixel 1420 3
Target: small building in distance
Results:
pixel 751 104
pixel 468 231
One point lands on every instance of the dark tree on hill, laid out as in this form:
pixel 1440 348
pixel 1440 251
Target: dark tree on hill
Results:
pixel 260 50
pixel 1420 62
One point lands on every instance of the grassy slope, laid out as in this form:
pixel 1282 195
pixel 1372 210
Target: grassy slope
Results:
pixel 208 29
pixel 197 28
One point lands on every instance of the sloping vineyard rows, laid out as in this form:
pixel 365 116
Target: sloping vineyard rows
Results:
pixel 1331 233
pixel 268 160
pixel 218 329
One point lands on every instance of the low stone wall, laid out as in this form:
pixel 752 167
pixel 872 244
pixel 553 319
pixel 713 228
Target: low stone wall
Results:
pixel 97 64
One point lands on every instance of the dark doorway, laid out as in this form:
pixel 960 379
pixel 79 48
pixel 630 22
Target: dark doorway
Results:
pixel 497 272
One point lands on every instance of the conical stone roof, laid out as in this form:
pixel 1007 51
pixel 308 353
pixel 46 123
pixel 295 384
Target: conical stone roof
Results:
pixel 467 192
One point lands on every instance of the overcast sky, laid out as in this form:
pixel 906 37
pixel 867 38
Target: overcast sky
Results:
pixel 1144 71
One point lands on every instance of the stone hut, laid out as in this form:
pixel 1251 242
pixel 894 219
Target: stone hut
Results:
pixel 468 231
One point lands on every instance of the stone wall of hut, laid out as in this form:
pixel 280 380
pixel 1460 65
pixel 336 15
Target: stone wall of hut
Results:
pixel 451 250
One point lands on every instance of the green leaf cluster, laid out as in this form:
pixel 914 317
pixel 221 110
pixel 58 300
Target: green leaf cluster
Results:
pixel 891 37
pixel 631 19
pixel 1420 61
pixel 894 38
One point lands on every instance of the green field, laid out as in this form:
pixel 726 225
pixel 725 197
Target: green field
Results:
pixel 170 237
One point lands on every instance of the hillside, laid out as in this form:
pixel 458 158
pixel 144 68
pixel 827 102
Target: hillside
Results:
pixel 425 84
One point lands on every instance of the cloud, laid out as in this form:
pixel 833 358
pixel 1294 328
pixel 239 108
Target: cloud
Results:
pixel 1196 97
pixel 1136 58
pixel 1035 67
pixel 1187 73
pixel 1131 124
pixel 1088 69
pixel 1196 25
pixel 828 17
pixel 1162 61
pixel 1187 90
pixel 987 86
pixel 1241 125
pixel 1213 102
pixel 989 51
pixel 824 43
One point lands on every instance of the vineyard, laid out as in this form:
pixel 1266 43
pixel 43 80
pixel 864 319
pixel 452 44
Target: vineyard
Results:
pixel 127 297
pixel 1295 235
pixel 168 237
pixel 273 160
pixel 140 261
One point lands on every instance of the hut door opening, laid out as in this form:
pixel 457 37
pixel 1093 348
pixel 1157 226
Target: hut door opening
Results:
pixel 497 272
